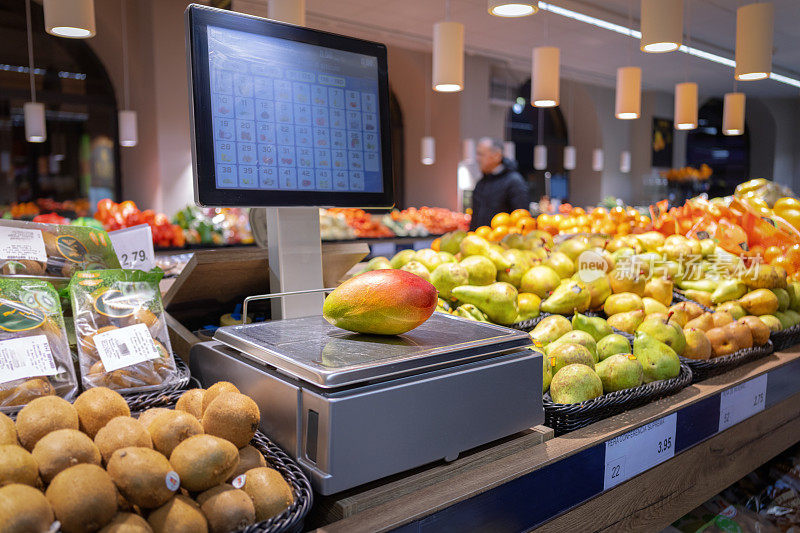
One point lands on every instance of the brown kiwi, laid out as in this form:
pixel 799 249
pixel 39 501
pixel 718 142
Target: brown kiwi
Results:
pixel 179 515
pixel 61 449
pixel 171 428
pixel 23 508
pixel 86 342
pixel 232 416
pixel 203 461
pixel 26 392
pixel 17 465
pixel 215 389
pixel 226 508
pixel 127 523
pixel 8 431
pixel 50 243
pixel 141 474
pixel 97 406
pixel 249 458
pixel 269 491
pixel 148 416
pixel 83 498
pixel 42 416
pixel 138 375
pixel 191 401
pixel 145 316
pixel 121 432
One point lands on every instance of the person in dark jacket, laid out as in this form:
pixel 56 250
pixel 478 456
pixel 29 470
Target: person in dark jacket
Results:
pixel 501 189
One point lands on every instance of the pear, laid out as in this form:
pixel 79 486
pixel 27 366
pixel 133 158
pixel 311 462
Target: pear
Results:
pixel 541 280
pixel 547 372
pixel 667 332
pixel 721 318
pixel 539 253
pixel 794 315
pixel 513 240
pixel 766 277
pixel 705 285
pixel 627 322
pixel 575 337
pixel 622 280
pixel 498 300
pixel 481 270
pixel 448 276
pixel 707 247
pixel 430 259
pixel 622 303
pixel 447 257
pixel 697 344
pixel 528 306
pixel 651 240
pixel 561 263
pixel 442 306
pixel 451 242
pixel 696 247
pixel 786 320
pixel 741 334
pixel 474 245
pixel 595 326
pixel 402 257
pixel 704 322
pixel 540 237
pixel 659 361
pixel 678 316
pixel 415 267
pixel 759 302
pixel 772 322
pixel 599 289
pixel 758 329
pixel 569 297
pixel 619 253
pixel 783 299
pixel 652 305
pixel 729 289
pixel 733 308
pixel 701 297
pixel 520 264
pixel 620 372
pixel 572 248
pixel 722 341
pixel 550 329
pixel 378 263
pixel 612 345
pixel 659 289
pixel 676 248
pixel 793 289
pixel 689 309
pixel 568 353
pixel 470 312
pixel 574 384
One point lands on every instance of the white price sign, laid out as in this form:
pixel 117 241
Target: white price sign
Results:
pixel 742 401
pixel 643 448
pixel 134 247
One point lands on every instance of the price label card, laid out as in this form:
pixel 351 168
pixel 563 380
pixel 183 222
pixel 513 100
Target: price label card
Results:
pixel 134 247
pixel 643 448
pixel 21 243
pixel 742 401
pixel 25 357
pixel 123 347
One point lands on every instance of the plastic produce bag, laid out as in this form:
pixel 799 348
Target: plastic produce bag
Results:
pixel 122 335
pixel 35 359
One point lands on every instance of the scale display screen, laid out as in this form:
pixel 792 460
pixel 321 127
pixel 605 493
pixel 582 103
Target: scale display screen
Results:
pixel 284 115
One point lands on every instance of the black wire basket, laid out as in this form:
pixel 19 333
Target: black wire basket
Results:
pixel 786 338
pixel 139 401
pixel 564 418
pixel 528 325
pixel 705 368
pixel 678 297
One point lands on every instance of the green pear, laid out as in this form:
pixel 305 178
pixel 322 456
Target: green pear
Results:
pixel 539 253
pixel 620 372
pixel 540 237
pixel 659 361
pixel 513 240
pixel 442 306
pixel 652 305
pixel 736 310
pixel 670 333
pixel 627 322
pixel 470 312
pixel 599 289
pixel 793 315
pixel 705 285
pixel 659 289
pixel 568 353
pixel 612 345
pixel 793 289
pixel 572 248
pixel 651 240
pixel 447 257
pixel 402 257
pixel 415 267
pixel 619 253
pixel 430 259
pixel 783 299
pixel 540 280
pixel 676 249
pixel 474 245
pixel 622 303
pixel 701 297
pixel 547 372
pixel 498 300
pixel 480 270
pixel 451 242
pixel 786 320
pixel 561 263
pixel 771 322
pixel 569 297
pixel 550 329
pixel 528 306
pixel 760 302
pixel 595 326
pixel 521 262
pixel 574 384
pixel 575 337
pixel 707 247
pixel 448 276
pixel 379 263
pixel 729 289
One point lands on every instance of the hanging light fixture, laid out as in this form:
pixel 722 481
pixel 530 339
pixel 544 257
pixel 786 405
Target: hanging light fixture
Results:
pixel 128 128
pixel 512 8
pixel 570 157
pixel 468 149
pixel 69 18
pixel 545 76
pixel 686 106
pixel 754 41
pixel 625 162
pixel 628 103
pixel 35 128
pixel 448 54
pixel 428 150
pixel 510 150
pixel 597 159
pixel 733 114
pixel 291 11
pixel 540 157
pixel 662 25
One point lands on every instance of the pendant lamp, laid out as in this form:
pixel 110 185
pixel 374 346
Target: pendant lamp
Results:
pixel 290 11
pixel 468 149
pixel 73 19
pixel 597 159
pixel 629 93
pixel 540 157
pixel 448 57
pixel 686 106
pixel 662 25
pixel 545 76
pixel 512 8
pixel 510 150
pixel 570 157
pixel 128 128
pixel 428 150
pixel 33 111
pixel 754 41
pixel 733 114
pixel 625 162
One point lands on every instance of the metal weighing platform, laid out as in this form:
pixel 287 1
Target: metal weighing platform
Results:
pixel 355 408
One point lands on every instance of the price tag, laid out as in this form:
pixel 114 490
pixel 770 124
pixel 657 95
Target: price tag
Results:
pixel 127 346
pixel 643 448
pixel 25 357
pixel 742 401
pixel 134 247
pixel 20 243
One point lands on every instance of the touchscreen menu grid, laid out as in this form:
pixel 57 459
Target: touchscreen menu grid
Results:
pixel 293 116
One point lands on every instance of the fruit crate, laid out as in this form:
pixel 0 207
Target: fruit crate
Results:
pixel 786 338
pixel 703 369
pixel 564 418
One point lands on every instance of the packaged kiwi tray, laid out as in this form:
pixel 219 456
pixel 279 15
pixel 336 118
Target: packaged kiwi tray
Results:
pixel 703 369
pixel 564 418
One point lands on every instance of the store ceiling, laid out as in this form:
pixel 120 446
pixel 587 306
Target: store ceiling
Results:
pixel 588 53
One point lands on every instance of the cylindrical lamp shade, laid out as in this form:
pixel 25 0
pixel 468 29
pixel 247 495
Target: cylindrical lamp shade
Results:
pixel 448 57
pixel 540 157
pixel 69 18
pixel 570 157
pixel 35 129
pixel 428 149
pixel 512 8
pixel 686 106
pixel 662 25
pixel 754 41
pixel 128 131
pixel 291 11
pixel 597 160
pixel 468 146
pixel 545 76
pixel 629 93
pixel 510 150
pixel 733 114
pixel 625 162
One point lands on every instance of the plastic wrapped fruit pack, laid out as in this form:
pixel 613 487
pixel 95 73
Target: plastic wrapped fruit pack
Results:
pixel 122 336
pixel 35 359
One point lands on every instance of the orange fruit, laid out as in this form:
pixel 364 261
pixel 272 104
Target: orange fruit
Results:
pixel 792 216
pixel 577 211
pixel 501 219
pixel 786 203
pixel 526 225
pixel 617 214
pixel 624 228
pixel 519 214
pixel 498 233
pixel 483 231
pixel 436 244
pixel 598 213
pixel 771 253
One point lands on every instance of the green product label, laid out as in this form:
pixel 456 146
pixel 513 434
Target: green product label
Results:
pixel 71 248
pixel 14 316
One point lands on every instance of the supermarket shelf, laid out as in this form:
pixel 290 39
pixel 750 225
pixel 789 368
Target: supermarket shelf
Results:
pixel 566 483
pixel 390 240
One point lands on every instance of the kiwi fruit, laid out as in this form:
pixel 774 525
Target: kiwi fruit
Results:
pixel 179 515
pixel 127 523
pixel 140 474
pixel 26 392
pixel 23 509
pixel 138 375
pixel 204 461
pixel 121 432
pixel 145 316
pixel 42 416
pixel 17 465
pixel 62 449
pixel 216 389
pixel 226 508
pixel 8 431
pixel 97 406
pixel 148 416
pixel 171 428
pixel 269 491
pixel 86 342
pixel 232 416
pixel 249 458
pixel 83 498
pixel 191 401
